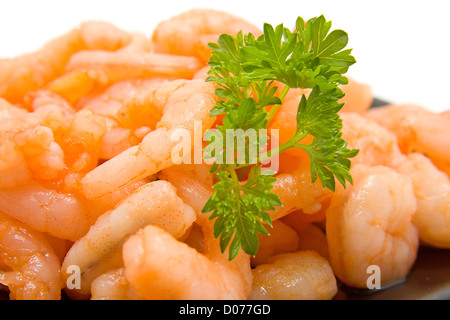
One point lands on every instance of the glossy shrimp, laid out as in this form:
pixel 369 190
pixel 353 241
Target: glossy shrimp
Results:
pixel 295 189
pixel 183 104
pixel 128 119
pixel 189 33
pixel 28 265
pixel 418 130
pixel 111 285
pixel 377 145
pixel 308 275
pixel 32 71
pixel 153 203
pixel 432 189
pixel 370 223
pixel 157 266
pixel 281 239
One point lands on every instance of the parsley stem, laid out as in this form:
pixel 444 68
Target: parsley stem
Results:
pixel 275 108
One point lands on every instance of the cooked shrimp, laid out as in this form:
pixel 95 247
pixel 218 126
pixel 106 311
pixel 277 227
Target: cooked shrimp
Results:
pixel 61 215
pixel 358 97
pixel 370 223
pixel 127 118
pixel 417 130
pixel 302 275
pixel 295 190
pixel 29 266
pixel 377 145
pixel 157 266
pixel 154 203
pixel 190 32
pixel 312 237
pixel 111 67
pixel 111 285
pixel 64 215
pixel 432 189
pixel 184 103
pixel 32 71
pixel 281 239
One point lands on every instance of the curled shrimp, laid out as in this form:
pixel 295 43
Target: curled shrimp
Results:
pixel 377 145
pixel 28 265
pixel 184 102
pixel 189 33
pixel 128 119
pixel 295 190
pixel 417 130
pixel 153 203
pixel 432 189
pixel 152 252
pixel 64 215
pixel 281 239
pixel 370 223
pixel 111 285
pixel 32 71
pixel 308 275
pixel 358 96
pixel 157 266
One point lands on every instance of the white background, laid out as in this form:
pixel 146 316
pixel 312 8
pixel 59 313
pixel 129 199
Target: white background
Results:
pixel 402 47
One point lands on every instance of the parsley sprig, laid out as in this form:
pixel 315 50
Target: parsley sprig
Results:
pixel 247 72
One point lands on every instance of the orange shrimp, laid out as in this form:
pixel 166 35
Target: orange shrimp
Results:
pixel 29 266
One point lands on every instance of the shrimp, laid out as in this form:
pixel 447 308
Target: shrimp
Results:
pixel 92 70
pixel 65 215
pixel 370 223
pixel 184 102
pixel 302 275
pixel 157 266
pixel 127 119
pixel 32 71
pixel 154 203
pixel 310 235
pixel 189 33
pixel 377 145
pixel 432 189
pixel 358 97
pixel 111 285
pixel 62 215
pixel 281 239
pixel 417 130
pixel 28 264
pixel 295 189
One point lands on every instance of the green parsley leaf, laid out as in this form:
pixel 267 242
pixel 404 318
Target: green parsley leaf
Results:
pixel 244 69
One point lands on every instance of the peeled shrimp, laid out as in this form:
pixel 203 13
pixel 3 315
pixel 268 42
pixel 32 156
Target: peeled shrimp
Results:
pixel 370 224
pixel 358 97
pixel 153 203
pixel 189 33
pixel 157 266
pixel 184 102
pixel 127 118
pixel 377 145
pixel 61 214
pixel 281 239
pixel 28 264
pixel 295 190
pixel 417 130
pixel 111 285
pixel 302 275
pixel 93 70
pixel 432 189
pixel 32 71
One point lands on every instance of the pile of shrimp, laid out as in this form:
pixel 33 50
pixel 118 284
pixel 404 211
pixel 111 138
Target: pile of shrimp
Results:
pixel 93 207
